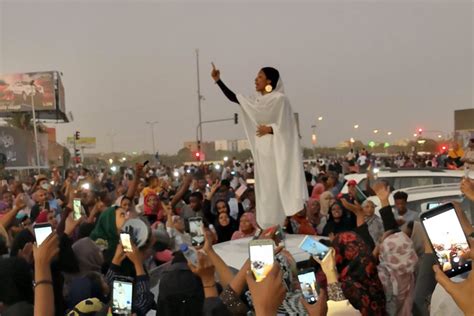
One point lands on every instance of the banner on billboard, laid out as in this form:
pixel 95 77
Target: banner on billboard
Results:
pixel 83 142
pixel 19 148
pixel 19 92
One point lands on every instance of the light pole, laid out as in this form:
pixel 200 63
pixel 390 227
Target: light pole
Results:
pixel 35 130
pixel 152 124
pixel 314 140
pixel 200 97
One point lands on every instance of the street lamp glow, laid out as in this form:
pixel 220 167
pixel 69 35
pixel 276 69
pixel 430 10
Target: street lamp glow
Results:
pixel 111 161
pixel 320 118
pixel 313 139
pixel 226 158
pixel 414 135
pixel 124 159
pixel 356 126
pixel 113 168
pixel 440 136
pixel 176 174
pixel 376 131
pixel 352 140
pixel 217 167
pixel 389 133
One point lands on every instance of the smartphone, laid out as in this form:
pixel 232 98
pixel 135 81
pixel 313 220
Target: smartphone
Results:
pixel 196 230
pixel 77 209
pixel 241 190
pixel 314 247
pixel 125 241
pixel 309 286
pixel 444 231
pixel 122 292
pixel 42 231
pixel 261 257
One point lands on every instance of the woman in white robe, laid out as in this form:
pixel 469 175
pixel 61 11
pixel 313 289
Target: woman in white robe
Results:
pixel 269 122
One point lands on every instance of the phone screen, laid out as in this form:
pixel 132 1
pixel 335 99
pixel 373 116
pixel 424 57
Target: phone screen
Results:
pixel 126 244
pixel 261 260
pixel 314 247
pixel 433 205
pixel 308 286
pixel 77 209
pixel 196 230
pixel 41 233
pixel 447 239
pixel 122 297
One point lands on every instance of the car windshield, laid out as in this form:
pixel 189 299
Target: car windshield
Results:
pixel 466 204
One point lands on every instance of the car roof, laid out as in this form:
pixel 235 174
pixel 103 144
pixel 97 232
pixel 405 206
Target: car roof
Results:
pixel 389 173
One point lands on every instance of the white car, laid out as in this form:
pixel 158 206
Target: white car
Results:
pixel 422 199
pixel 407 178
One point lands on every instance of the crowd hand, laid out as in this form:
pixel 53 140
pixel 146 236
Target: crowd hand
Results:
pixel 138 169
pixel 27 252
pixel 119 255
pixel 321 306
pixel 134 256
pixel 382 191
pixel 215 73
pixel 208 241
pixel 354 208
pixel 204 269
pixel 268 294
pixel 467 187
pixel 263 130
pixel 461 292
pixel 71 224
pixel 20 202
pixel 328 264
pixel 213 190
pixel 45 253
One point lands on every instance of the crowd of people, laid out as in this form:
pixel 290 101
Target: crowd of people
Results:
pixel 380 265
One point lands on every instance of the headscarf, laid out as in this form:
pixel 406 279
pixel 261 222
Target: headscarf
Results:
pixel 105 232
pixel 272 74
pixel 358 274
pixel 317 191
pixel 396 270
pixel 224 233
pixel 324 202
pixel 88 255
pixel 240 234
pixel 85 287
pixel 346 224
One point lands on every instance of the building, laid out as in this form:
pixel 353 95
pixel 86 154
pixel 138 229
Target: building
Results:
pixel 235 145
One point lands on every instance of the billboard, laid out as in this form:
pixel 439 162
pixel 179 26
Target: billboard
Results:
pixel 19 92
pixel 19 148
pixel 83 142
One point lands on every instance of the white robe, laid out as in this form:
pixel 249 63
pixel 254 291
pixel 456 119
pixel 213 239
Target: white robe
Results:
pixel 280 185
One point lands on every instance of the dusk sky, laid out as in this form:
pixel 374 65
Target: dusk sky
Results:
pixel 387 65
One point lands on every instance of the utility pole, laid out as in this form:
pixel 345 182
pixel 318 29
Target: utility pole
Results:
pixel 35 129
pixel 199 140
pixel 152 124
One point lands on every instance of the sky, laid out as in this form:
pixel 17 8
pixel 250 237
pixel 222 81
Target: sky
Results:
pixel 387 65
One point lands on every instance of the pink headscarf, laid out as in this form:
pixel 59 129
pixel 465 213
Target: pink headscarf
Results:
pixel 317 191
pixel 398 261
pixel 240 234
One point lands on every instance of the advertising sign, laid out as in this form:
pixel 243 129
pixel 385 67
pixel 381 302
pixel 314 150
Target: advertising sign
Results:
pixel 19 148
pixel 19 92
pixel 83 142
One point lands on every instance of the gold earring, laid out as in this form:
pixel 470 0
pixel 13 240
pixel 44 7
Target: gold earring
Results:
pixel 268 88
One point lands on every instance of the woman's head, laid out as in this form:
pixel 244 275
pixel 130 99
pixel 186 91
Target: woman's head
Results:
pixel 369 208
pixel 326 199
pixel 336 211
pixel 224 219
pixel 120 218
pixel 125 203
pixel 313 207
pixel 266 76
pixel 247 223
pixel 222 207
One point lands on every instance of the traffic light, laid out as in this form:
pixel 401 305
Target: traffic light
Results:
pixel 236 118
pixel 77 135
pixel 420 131
pixel 444 148
pixel 198 156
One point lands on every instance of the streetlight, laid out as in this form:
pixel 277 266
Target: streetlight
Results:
pixel 376 131
pixel 152 124
pixel 389 133
pixel 415 135
pixel 320 118
pixel 356 126
pixel 314 140
pixel 440 136
pixel 111 161
pixel 226 158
